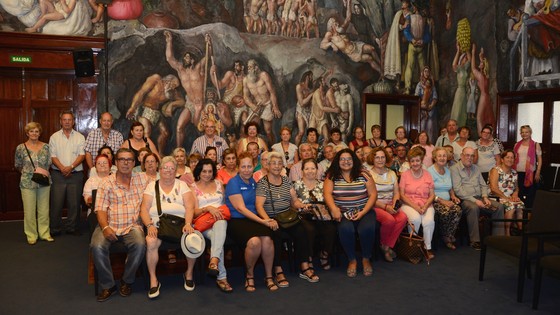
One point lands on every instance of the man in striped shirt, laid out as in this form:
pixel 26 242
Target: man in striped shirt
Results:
pixel 117 206
pixel 209 139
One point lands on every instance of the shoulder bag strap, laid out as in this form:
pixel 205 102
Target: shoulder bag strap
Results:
pixel 270 194
pixel 29 154
pixel 158 202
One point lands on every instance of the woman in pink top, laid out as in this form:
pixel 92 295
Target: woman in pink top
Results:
pixel 417 192
pixel 423 140
pixel 528 161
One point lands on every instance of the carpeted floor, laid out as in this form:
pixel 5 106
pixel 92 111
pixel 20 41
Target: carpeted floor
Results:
pixel 51 278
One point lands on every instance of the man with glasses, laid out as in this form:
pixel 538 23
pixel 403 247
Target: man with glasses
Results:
pixel 209 139
pixel 471 188
pixel 117 207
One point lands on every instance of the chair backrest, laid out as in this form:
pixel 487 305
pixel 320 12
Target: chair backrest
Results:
pixel 545 217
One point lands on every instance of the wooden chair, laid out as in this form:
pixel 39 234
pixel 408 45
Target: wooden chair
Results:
pixel 544 220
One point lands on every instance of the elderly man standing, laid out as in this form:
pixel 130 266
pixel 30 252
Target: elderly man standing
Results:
pixel 470 187
pixel 118 207
pixel 209 139
pixel 305 152
pixel 103 136
pixel 450 136
pixel 67 154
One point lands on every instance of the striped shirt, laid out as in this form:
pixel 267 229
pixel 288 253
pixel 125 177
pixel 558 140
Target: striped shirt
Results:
pixel 350 195
pixel 280 195
pixel 385 184
pixel 122 205
pixel 202 142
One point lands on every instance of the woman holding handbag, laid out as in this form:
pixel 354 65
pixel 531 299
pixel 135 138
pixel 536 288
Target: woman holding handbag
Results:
pixel 170 196
pixel 417 192
pixel 245 227
pixel 209 194
pixel 275 196
pixel 31 157
pixel 316 219
pixel 350 194
pixel 387 205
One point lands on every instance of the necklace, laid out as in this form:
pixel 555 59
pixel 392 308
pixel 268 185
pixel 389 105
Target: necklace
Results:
pixel 418 176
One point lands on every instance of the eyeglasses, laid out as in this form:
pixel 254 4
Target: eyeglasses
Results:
pixel 150 162
pixel 102 163
pixel 168 168
pixel 125 160
pixel 348 159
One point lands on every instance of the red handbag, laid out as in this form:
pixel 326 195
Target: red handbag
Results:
pixel 205 221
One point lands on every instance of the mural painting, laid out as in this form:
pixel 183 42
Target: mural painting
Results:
pixel 176 64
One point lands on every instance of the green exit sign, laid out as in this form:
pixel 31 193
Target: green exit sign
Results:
pixel 20 59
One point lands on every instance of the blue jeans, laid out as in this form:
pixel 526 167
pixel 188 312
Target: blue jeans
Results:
pixel 100 247
pixel 366 230
pixel 217 236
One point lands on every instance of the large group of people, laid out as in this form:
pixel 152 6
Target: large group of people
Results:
pixel 311 194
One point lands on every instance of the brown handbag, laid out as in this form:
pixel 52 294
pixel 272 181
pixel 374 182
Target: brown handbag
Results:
pixel 411 247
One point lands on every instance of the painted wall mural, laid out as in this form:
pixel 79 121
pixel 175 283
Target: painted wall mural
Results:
pixel 175 64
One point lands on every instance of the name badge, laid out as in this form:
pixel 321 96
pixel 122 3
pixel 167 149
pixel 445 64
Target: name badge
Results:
pixel 243 188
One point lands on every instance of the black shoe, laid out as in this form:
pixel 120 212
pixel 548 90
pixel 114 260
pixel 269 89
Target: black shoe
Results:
pixel 475 245
pixel 125 289
pixel 154 291
pixel 74 233
pixel 106 294
pixel 189 284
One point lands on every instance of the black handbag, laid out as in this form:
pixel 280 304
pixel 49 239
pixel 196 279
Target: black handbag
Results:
pixel 39 178
pixel 286 219
pixel 170 227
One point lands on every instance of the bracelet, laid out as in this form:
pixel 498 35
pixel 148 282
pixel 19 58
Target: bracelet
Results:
pixel 436 199
pixel 148 226
pixel 106 227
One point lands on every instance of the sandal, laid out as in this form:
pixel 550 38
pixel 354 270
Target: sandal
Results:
pixel 224 286
pixel 269 282
pixel 368 269
pixel 249 284
pixel 311 277
pixel 324 260
pixel 351 270
pixel 213 269
pixel 281 280
pixel 450 245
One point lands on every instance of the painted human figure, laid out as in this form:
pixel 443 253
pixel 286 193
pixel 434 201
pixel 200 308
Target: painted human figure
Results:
pixel 259 94
pixel 232 82
pixel 304 93
pixel 320 109
pixel 191 75
pixel 154 94
pixel 461 66
pixel 309 10
pixel 98 9
pixel 485 111
pixel 346 117
pixel 395 51
pixel 52 10
pixel 357 51
pixel 426 89
pixel 417 33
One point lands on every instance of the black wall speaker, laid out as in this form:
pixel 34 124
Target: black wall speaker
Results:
pixel 83 62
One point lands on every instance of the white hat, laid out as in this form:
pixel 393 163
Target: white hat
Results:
pixel 193 244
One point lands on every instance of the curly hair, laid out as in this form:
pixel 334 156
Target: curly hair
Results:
pixel 200 165
pixel 335 171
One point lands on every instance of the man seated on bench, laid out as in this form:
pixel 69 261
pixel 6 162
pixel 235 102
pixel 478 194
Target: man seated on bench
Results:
pixel 470 187
pixel 117 207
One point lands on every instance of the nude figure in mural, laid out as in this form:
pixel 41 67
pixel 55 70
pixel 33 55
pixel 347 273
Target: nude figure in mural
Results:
pixel 357 51
pixel 233 93
pixel 52 10
pixel 304 93
pixel 294 29
pixel 485 110
pixel 285 17
pixel 98 9
pixel 320 109
pixel 272 21
pixel 255 23
pixel 345 103
pixel 260 96
pixel 331 102
pixel 152 95
pixel 461 66
pixel 309 12
pixel 191 75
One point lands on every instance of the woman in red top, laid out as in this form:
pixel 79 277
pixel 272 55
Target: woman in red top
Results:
pixel 359 139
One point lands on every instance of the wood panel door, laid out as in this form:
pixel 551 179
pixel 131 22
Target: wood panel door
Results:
pixel 40 96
